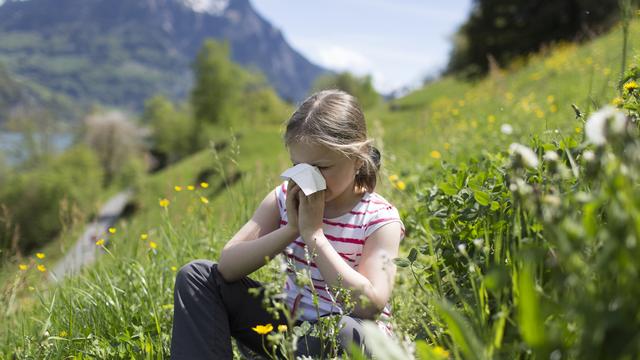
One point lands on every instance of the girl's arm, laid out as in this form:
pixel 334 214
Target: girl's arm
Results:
pixel 376 272
pixel 258 239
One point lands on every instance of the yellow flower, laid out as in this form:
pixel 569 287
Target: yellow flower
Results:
pixel 177 188
pixel 112 230
pixel 447 146
pixel 23 267
pixel 191 187
pixel 630 86
pixel 441 352
pixel 617 101
pixel 40 255
pixel 204 200
pixel 578 130
pixel 100 242
pixel 263 329
pixel 31 288
pixel 491 119
pixel 167 306
pixel 550 99
pixel 282 328
pixel 435 154
pixel 144 236
pixel 174 268
pixel 63 333
pixel 204 185
pixel 153 245
pixel 42 268
pixel 400 185
pixel 393 178
pixel 553 108
pixel 164 203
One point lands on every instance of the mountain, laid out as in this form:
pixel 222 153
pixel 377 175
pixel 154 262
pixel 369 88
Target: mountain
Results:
pixel 120 52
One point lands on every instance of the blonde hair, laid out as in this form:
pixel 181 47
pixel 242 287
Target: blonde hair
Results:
pixel 333 118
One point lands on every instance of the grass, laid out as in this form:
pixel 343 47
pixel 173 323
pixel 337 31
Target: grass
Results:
pixel 121 306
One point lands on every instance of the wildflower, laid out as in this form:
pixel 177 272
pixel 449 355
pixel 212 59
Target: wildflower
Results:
pixel 31 288
pixel 529 158
pixel 393 178
pixel 553 108
pixel 596 126
pixel 191 187
pixel 506 129
pixel 477 242
pixel 589 155
pixel 550 99
pixel 630 86
pixel 282 328
pixel 42 268
pixel 617 101
pixel 40 255
pixel 23 267
pixel 435 154
pixel 112 230
pixel 491 119
pixel 153 245
pixel 204 185
pixel 441 352
pixel 263 329
pixel 455 112
pixel 400 185
pixel 144 236
pixel 177 188
pixel 204 200
pixel 174 268
pixel 578 130
pixel 462 248
pixel 167 306
pixel 164 203
pixel 100 242
pixel 63 333
pixel 550 156
pixel 447 146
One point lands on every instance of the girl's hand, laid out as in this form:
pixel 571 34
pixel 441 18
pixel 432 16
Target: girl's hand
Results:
pixel 310 214
pixel 292 205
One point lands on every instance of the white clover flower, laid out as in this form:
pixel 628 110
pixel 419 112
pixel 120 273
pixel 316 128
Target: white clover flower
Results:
pixel 506 129
pixel 513 187
pixel 597 126
pixel 529 158
pixel 477 242
pixel 550 156
pixel 462 248
pixel 589 155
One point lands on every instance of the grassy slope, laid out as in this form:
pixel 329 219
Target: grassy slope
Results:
pixel 453 118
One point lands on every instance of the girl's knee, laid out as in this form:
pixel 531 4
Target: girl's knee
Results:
pixel 196 271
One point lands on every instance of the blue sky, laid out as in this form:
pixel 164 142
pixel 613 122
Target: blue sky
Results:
pixel 397 42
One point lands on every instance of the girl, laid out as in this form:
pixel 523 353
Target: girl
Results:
pixel 346 235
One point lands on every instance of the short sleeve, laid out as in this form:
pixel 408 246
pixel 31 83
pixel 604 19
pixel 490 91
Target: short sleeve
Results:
pixel 383 217
pixel 281 197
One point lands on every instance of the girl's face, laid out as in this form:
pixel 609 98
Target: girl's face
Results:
pixel 338 170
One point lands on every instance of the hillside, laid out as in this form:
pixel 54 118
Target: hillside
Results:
pixel 447 124
pixel 120 52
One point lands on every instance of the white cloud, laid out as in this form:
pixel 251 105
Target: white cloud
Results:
pixel 341 58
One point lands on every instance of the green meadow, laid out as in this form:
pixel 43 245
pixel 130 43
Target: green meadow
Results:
pixel 504 257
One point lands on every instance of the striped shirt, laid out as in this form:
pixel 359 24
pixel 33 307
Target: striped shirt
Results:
pixel 347 234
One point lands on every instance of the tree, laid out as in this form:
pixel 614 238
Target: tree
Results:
pixel 360 87
pixel 171 128
pixel 216 86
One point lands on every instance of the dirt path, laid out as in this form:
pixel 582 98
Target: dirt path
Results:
pixel 85 250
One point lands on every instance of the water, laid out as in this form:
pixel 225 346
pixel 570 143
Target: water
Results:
pixel 11 144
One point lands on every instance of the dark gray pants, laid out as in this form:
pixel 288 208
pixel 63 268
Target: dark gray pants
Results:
pixel 208 311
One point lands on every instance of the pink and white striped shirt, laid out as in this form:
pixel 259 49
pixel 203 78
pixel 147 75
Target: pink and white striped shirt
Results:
pixel 347 234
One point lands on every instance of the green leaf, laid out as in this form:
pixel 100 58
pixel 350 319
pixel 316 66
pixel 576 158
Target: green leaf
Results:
pixel 402 262
pixel 530 320
pixel 495 206
pixel 460 330
pixel 413 255
pixel 447 188
pixel 482 197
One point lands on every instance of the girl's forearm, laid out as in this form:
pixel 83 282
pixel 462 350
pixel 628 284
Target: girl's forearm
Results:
pixel 337 273
pixel 240 259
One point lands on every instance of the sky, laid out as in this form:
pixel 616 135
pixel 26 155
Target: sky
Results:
pixel 397 42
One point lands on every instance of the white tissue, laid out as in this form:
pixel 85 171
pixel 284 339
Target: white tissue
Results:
pixel 307 177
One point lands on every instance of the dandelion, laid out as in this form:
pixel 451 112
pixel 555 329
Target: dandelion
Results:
pixel 204 185
pixel 539 113
pixel 282 328
pixel 174 268
pixel 112 230
pixel 144 236
pixel 617 101
pixel 506 129
pixel 550 99
pixel 42 268
pixel 529 158
pixel 191 187
pixel 23 267
pixel 177 188
pixel 63 333
pixel 153 245
pixel 553 108
pixel 491 119
pixel 263 329
pixel 40 255
pixel 596 126
pixel 441 352
pixel 630 86
pixel 578 130
pixel 393 178
pixel 100 242
pixel 400 185
pixel 204 200
pixel 447 146
pixel 435 154
pixel 164 203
